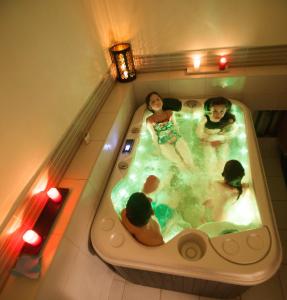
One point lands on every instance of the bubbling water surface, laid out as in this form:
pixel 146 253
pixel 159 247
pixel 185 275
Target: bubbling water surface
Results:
pixel 180 201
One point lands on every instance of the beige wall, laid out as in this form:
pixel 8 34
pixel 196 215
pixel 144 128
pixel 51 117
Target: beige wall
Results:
pixel 50 63
pixel 164 26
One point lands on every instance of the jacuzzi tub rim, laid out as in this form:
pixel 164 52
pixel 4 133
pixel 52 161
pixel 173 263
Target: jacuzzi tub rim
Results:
pixel 224 278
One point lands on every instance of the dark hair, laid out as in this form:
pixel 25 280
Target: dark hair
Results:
pixel 233 172
pixel 147 100
pixel 217 101
pixel 138 209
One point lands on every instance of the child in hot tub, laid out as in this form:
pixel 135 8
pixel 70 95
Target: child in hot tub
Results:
pixel 216 129
pixel 137 216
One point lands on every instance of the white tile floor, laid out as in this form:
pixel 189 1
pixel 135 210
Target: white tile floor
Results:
pixel 77 275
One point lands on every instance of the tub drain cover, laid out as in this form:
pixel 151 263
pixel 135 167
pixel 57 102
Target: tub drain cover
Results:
pixel 191 251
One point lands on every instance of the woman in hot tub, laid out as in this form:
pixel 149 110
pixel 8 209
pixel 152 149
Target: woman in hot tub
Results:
pixel 216 129
pixel 162 127
pixel 224 193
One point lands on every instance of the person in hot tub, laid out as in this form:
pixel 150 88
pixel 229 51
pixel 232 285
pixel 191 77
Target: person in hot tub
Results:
pixel 137 216
pixel 162 127
pixel 215 129
pixel 224 193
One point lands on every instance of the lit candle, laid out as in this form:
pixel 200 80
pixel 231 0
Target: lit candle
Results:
pixel 126 74
pixel 54 195
pixel 32 237
pixel 222 63
pixel 196 62
pixel 123 67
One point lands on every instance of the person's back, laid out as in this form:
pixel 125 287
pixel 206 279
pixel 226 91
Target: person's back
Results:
pixel 148 234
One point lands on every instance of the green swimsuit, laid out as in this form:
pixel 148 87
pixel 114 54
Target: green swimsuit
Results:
pixel 165 132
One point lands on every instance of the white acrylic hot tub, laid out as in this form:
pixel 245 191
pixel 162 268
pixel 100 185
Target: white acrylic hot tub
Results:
pixel 200 259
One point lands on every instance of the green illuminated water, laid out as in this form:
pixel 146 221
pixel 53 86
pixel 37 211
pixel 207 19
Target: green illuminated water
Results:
pixel 178 202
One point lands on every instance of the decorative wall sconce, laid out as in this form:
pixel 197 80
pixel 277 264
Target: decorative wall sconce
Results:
pixel 122 57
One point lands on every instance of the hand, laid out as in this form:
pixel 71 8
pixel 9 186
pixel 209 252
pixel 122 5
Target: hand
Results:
pixel 151 184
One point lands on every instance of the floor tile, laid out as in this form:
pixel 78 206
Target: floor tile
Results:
pixel 283 237
pixel 269 290
pixel 117 290
pixel 280 209
pixel 277 188
pixel 80 222
pixel 54 283
pixel 76 188
pixel 139 292
pixel 90 279
pixel 283 280
pixel 268 147
pixel 171 295
pixel 272 166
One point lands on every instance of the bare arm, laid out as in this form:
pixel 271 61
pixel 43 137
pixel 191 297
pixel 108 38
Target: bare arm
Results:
pixel 200 129
pixel 151 235
pixel 230 131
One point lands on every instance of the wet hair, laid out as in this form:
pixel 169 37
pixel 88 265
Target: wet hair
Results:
pixel 233 173
pixel 138 209
pixel 147 100
pixel 217 101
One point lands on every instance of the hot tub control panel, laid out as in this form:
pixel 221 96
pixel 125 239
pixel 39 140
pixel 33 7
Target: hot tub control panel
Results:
pixel 128 146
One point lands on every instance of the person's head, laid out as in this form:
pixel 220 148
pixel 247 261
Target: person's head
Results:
pixel 216 108
pixel 138 209
pixel 153 102
pixel 233 173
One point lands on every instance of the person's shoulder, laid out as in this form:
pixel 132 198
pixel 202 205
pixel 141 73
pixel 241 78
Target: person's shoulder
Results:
pixel 150 119
pixel 230 118
pixel 204 119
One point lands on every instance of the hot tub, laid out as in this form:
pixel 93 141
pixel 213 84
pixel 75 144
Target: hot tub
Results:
pixel 200 256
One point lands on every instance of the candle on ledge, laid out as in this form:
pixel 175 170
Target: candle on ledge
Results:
pixel 196 62
pixel 54 195
pixel 31 237
pixel 222 63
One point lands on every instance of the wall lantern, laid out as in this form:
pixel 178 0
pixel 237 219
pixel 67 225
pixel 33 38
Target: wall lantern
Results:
pixel 122 57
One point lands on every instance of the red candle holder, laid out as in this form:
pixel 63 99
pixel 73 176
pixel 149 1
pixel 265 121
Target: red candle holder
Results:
pixel 54 195
pixel 32 238
pixel 223 63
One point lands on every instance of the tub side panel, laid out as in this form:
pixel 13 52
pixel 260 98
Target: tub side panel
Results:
pixel 181 284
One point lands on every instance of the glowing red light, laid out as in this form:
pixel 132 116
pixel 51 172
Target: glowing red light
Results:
pixel 32 237
pixel 222 63
pixel 54 195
